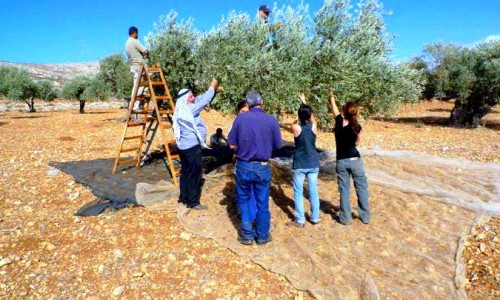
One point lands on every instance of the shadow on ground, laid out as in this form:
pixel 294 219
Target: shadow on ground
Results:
pixel 117 190
pixel 29 117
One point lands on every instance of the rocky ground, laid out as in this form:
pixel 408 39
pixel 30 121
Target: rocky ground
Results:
pixel 136 253
pixel 481 256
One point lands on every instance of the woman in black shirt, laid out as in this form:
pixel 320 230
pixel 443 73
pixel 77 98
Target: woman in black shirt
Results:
pixel 349 163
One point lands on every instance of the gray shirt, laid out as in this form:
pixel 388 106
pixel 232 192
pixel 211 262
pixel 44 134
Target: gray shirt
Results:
pixel 134 50
pixel 188 138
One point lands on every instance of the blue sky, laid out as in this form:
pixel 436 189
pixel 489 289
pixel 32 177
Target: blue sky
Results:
pixel 58 31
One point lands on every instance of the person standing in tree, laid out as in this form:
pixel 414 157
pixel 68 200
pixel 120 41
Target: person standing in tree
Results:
pixel 305 164
pixel 135 54
pixel 254 136
pixel 349 162
pixel 190 134
pixel 264 13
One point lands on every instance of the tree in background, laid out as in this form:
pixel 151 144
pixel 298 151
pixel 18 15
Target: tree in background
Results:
pixel 469 75
pixel 116 74
pixel 17 84
pixel 84 88
pixel 22 87
pixel 46 90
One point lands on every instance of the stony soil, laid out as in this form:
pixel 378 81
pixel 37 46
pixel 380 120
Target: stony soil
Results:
pixel 46 251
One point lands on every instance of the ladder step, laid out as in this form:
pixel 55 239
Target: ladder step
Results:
pixel 156 82
pixel 127 161
pixel 166 111
pixel 135 137
pixel 175 156
pixel 141 112
pixel 162 97
pixel 136 123
pixel 167 126
pixel 153 69
pixel 171 142
pixel 129 149
pixel 141 98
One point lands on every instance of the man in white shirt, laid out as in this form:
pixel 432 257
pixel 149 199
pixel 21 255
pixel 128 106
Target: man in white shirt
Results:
pixel 135 52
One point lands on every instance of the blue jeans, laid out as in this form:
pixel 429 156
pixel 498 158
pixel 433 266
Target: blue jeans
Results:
pixel 253 178
pixel 345 169
pixel 298 190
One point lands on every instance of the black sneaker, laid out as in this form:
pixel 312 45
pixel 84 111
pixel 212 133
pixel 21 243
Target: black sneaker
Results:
pixel 245 241
pixel 199 207
pixel 264 241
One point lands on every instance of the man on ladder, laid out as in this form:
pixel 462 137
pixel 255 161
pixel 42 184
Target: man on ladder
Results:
pixel 190 135
pixel 135 52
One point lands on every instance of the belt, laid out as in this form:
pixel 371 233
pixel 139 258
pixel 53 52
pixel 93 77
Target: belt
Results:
pixel 351 158
pixel 255 162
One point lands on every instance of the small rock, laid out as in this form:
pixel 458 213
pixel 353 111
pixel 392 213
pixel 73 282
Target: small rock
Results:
pixel 137 274
pixel 171 257
pixel 118 290
pixel 51 246
pixel 53 172
pixel 445 149
pixel 482 247
pixel 480 236
pixel 185 236
pixel 188 262
pixel 118 253
pixel 5 262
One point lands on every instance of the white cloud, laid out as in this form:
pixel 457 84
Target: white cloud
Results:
pixel 489 38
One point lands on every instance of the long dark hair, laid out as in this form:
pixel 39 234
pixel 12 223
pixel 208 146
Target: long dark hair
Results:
pixel 351 114
pixel 305 113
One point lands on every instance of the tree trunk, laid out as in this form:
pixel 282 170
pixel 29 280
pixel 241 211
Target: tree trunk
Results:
pixel 468 113
pixel 31 105
pixel 82 106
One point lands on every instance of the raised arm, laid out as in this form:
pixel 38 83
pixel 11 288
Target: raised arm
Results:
pixel 336 111
pixel 313 119
pixel 204 99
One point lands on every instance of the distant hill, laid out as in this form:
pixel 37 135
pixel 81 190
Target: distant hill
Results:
pixel 57 73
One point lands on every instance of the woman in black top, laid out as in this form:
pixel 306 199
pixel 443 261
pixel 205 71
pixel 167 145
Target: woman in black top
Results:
pixel 349 163
pixel 305 164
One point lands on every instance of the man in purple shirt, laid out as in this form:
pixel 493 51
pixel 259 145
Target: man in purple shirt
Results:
pixel 254 135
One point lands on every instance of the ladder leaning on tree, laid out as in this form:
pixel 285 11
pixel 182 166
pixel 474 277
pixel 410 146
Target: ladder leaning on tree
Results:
pixel 154 90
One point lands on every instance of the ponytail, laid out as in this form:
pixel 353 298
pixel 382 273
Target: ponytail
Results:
pixel 351 114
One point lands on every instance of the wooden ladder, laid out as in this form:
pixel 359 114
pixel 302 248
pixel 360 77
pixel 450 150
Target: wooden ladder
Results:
pixel 151 117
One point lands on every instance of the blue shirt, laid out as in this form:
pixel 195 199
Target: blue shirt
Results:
pixel 255 134
pixel 188 138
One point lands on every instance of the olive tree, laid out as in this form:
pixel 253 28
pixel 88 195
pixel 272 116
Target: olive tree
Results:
pixel 341 51
pixel 22 87
pixel 471 76
pixel 174 45
pixel 84 88
pixel 115 72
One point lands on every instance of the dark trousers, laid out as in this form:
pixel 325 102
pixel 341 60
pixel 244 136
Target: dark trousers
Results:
pixel 191 171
